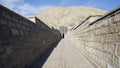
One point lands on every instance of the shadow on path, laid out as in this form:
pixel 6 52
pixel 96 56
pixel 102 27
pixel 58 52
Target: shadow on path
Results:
pixel 40 61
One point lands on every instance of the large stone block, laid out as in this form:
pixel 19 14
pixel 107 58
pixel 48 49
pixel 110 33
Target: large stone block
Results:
pixel 110 59
pixel 8 60
pixel 108 38
pixel 118 50
pixel 115 62
pixel 1 63
pixel 112 28
pixel 117 17
pixel 2 50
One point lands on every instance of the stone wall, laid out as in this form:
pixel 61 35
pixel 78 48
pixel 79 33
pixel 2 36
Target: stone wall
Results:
pixel 101 40
pixel 21 40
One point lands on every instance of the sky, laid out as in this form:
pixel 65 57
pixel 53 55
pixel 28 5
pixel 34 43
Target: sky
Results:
pixel 31 7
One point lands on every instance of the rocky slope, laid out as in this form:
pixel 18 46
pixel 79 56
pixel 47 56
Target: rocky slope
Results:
pixel 67 16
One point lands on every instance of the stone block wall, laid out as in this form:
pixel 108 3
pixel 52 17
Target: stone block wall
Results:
pixel 21 40
pixel 101 40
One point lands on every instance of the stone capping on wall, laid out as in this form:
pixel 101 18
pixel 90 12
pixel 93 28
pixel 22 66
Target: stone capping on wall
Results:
pixel 38 22
pixel 110 14
pixel 86 20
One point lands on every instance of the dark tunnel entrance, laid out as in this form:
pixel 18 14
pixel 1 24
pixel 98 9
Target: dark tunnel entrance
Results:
pixel 62 35
pixel 63 30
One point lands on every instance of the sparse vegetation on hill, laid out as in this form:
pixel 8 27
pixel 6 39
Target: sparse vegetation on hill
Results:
pixel 67 16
